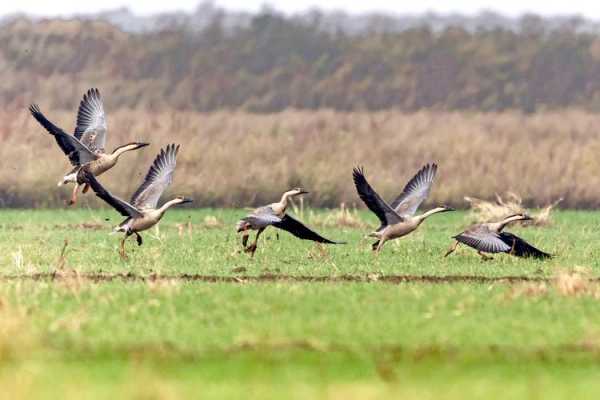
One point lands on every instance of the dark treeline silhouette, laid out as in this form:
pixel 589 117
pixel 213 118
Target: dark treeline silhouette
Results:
pixel 275 62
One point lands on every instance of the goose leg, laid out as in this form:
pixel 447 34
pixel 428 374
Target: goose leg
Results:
pixel 484 257
pixel 252 248
pixel 86 187
pixel 512 248
pixel 245 236
pixel 138 238
pixel 380 245
pixel 73 199
pixel 451 249
pixel 122 248
pixel 375 245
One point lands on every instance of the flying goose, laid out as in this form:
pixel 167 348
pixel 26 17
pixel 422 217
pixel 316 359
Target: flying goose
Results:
pixel 85 148
pixel 275 215
pixel 489 238
pixel 141 211
pixel 398 218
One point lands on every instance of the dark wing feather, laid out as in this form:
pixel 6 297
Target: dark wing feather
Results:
pixel 373 201
pixel 91 121
pixel 158 178
pixel 299 230
pixel 123 207
pixel 520 248
pixel 482 239
pixel 415 191
pixel 77 152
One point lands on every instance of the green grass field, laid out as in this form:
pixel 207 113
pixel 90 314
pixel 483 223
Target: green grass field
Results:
pixel 157 333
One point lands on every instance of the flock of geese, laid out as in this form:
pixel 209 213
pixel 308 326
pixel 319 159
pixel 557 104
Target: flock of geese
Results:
pixel 85 149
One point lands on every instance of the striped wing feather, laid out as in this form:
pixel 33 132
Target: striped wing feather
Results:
pixel 158 178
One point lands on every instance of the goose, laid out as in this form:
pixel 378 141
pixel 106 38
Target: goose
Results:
pixel 85 148
pixel 490 238
pixel 275 215
pixel 398 219
pixel 142 210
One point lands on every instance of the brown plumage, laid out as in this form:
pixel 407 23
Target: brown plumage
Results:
pixel 490 238
pixel 275 215
pixel 142 210
pixel 398 219
pixel 85 148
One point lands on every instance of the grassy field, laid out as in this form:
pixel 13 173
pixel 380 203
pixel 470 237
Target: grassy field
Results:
pixel 192 317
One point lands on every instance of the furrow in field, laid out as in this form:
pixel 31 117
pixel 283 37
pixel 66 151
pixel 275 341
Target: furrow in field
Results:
pixel 269 278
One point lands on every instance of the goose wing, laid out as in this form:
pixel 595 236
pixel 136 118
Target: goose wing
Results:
pixel 415 191
pixel 300 230
pixel 520 248
pixel 373 201
pixel 158 178
pixel 78 153
pixel 91 121
pixel 123 207
pixel 483 239
pixel 262 217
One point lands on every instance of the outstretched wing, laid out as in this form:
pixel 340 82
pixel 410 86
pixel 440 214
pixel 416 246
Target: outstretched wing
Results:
pixel 159 177
pixel 299 230
pixel 415 191
pixel 77 152
pixel 520 248
pixel 123 207
pixel 372 200
pixel 482 239
pixel 91 121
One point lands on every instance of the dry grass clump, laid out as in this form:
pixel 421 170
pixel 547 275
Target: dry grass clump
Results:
pixel 225 161
pixel 575 282
pixel 543 217
pixel 342 217
pixel 512 203
pixel 485 211
pixel 527 290
pixel 211 222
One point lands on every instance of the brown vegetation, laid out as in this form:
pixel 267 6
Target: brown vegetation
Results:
pixel 574 282
pixel 243 159
pixel 502 207
pixel 275 63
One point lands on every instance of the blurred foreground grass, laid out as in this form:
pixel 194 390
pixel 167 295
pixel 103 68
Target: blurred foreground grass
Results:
pixel 74 338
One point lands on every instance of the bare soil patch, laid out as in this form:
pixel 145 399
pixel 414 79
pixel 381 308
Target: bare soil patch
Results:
pixel 99 277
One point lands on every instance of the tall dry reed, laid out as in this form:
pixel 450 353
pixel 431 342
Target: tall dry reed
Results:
pixel 239 159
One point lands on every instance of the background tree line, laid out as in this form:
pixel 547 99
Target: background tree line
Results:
pixel 275 62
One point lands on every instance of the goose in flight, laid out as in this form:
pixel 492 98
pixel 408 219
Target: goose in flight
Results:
pixel 142 210
pixel 398 218
pixel 85 148
pixel 490 238
pixel 275 215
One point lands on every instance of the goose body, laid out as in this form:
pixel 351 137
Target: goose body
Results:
pixel 142 210
pixel 85 148
pixel 491 238
pixel 275 215
pixel 398 219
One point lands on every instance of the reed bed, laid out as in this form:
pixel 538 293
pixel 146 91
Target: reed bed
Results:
pixel 235 159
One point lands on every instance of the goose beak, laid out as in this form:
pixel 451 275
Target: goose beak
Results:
pixel 186 200
pixel 140 145
pixel 303 192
